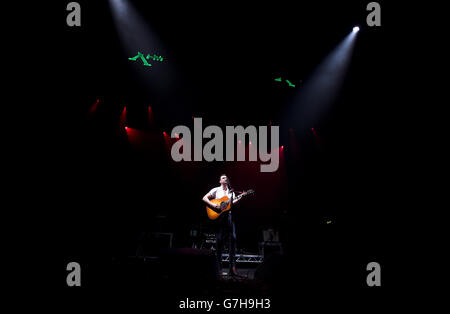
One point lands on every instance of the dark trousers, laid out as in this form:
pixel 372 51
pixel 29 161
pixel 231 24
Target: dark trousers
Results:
pixel 225 231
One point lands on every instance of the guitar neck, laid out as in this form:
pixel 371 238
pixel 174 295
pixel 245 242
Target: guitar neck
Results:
pixel 239 196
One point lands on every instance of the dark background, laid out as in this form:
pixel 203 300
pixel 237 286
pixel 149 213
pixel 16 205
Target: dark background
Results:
pixel 103 190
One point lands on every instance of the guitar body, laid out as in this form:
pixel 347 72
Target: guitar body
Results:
pixel 225 204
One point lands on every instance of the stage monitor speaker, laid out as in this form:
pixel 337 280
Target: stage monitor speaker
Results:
pixel 268 248
pixel 271 269
pixel 271 235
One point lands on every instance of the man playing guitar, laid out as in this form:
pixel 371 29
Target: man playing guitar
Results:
pixel 224 224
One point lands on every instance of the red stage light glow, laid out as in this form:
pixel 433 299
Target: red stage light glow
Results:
pixel 94 107
pixel 123 118
pixel 150 115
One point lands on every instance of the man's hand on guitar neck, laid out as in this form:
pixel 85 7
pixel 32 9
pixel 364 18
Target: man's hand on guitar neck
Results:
pixel 239 197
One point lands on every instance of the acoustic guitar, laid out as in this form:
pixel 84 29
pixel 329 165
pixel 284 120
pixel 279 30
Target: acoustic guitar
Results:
pixel 225 205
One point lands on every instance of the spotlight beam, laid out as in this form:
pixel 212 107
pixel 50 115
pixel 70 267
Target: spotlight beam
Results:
pixel 137 36
pixel 320 90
